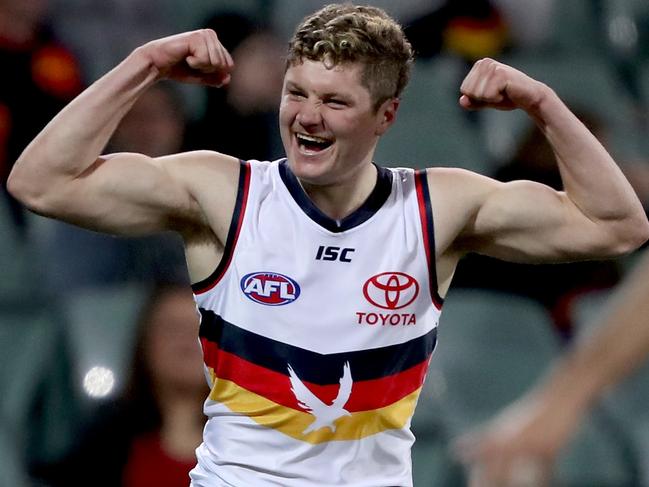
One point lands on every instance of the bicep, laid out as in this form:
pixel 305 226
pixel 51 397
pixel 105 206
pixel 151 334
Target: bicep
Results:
pixel 127 194
pixel 525 221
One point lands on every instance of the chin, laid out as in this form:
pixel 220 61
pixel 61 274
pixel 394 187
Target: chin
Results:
pixel 313 170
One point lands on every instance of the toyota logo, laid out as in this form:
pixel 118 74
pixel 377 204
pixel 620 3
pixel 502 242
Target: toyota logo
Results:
pixel 391 290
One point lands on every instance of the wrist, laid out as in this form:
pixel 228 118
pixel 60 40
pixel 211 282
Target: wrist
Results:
pixel 142 59
pixel 544 104
pixel 568 389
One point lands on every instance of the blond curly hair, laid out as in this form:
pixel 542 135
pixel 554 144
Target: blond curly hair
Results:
pixel 345 33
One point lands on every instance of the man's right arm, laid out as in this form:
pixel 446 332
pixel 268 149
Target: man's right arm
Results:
pixel 62 174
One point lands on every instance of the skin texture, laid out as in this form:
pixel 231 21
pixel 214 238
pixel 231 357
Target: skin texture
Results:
pixel 175 364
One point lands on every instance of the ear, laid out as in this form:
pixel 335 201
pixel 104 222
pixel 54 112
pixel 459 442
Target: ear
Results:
pixel 387 114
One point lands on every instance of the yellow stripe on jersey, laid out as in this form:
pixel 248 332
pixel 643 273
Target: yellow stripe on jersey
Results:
pixel 293 422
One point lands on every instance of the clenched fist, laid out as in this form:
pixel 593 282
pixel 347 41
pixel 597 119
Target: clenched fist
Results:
pixel 191 57
pixel 491 84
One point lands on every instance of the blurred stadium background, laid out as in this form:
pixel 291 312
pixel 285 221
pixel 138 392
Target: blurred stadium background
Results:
pixel 66 339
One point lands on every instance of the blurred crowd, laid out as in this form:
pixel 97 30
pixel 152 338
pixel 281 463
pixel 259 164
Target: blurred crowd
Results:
pixel 151 415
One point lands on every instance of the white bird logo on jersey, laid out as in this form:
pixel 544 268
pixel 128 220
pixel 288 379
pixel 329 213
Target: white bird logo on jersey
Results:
pixel 325 415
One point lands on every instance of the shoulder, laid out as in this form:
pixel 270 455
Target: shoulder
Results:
pixel 454 175
pixel 460 186
pixel 211 179
pixel 457 197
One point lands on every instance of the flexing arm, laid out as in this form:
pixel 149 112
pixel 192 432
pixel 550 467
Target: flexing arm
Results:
pixel 597 215
pixel 61 173
pixel 537 426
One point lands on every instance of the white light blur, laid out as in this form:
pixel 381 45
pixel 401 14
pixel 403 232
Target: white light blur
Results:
pixel 99 382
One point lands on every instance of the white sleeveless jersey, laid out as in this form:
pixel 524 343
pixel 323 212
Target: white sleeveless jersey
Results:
pixel 317 335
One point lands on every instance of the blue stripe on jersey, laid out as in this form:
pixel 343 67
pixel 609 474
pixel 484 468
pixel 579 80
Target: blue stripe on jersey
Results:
pixel 315 367
pixel 233 231
pixel 422 179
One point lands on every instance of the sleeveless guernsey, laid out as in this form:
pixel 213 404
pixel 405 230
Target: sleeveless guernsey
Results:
pixel 317 335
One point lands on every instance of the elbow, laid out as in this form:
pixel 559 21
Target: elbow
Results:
pixel 642 232
pixel 18 186
pixel 631 235
pixel 26 191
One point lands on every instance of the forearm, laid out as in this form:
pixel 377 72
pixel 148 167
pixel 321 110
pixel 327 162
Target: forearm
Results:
pixel 73 140
pixel 618 345
pixel 592 180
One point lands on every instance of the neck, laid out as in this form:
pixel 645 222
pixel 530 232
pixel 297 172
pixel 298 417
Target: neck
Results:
pixel 340 199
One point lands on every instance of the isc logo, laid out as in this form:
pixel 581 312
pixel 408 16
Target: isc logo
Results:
pixel 334 253
pixel 270 288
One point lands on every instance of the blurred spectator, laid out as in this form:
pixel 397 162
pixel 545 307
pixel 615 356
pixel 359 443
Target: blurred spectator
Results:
pixel 102 32
pixel 39 76
pixel 553 285
pixel 530 23
pixel 465 29
pixel 526 23
pixel 286 14
pixel 241 119
pixel 147 435
pixel 534 158
pixel 470 29
pixel 155 126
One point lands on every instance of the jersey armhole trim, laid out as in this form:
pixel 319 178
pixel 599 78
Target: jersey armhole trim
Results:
pixel 428 233
pixel 233 232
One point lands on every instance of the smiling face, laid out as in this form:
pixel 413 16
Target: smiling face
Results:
pixel 328 122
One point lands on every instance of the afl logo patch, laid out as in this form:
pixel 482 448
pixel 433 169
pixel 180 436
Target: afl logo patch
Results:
pixel 391 290
pixel 270 288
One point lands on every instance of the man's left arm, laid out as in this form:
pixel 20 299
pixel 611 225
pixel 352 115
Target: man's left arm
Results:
pixel 597 215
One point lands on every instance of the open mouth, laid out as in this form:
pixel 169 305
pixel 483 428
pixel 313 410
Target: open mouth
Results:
pixel 312 144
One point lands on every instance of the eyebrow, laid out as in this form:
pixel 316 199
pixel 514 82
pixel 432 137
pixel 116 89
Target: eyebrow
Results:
pixel 292 85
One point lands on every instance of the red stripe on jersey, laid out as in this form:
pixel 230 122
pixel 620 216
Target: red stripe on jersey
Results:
pixel 366 395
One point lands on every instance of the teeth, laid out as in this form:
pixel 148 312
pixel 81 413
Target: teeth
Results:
pixel 311 138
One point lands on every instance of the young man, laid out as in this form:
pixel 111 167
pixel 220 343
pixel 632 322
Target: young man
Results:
pixel 319 278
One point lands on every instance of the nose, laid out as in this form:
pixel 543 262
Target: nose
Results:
pixel 309 114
